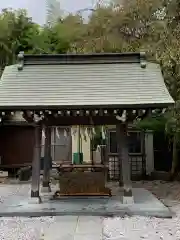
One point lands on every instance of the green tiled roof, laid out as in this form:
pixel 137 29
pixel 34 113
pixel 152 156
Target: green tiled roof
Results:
pixel 86 80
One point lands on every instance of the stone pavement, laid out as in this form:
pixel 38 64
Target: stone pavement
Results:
pixel 15 201
pixel 74 228
pixel 89 227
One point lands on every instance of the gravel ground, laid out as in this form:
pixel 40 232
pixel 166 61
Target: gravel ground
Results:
pixel 136 228
pixel 24 228
pixel 142 228
pixel 126 228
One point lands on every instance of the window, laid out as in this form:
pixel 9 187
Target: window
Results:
pixel 134 142
pixel 112 142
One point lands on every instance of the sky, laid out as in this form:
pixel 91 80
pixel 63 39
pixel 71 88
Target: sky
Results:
pixel 36 8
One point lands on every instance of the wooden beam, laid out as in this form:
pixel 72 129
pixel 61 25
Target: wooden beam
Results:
pixel 118 134
pixel 36 164
pixel 98 117
pixel 81 120
pixel 81 116
pixel 47 160
pixel 69 117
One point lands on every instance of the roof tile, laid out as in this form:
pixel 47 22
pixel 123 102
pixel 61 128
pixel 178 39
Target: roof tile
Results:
pixel 71 85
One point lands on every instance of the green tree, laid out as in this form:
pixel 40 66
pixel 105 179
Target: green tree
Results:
pixel 131 25
pixel 18 33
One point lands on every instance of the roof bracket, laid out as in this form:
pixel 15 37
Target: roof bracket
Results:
pixel 143 59
pixel 20 60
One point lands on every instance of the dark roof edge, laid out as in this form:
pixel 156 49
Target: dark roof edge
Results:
pixel 94 58
pixel 85 107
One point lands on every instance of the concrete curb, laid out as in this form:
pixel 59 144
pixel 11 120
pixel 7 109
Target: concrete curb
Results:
pixel 105 213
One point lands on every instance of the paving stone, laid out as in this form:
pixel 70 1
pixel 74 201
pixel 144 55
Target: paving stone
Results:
pixel 63 228
pixel 94 219
pixel 14 202
pixel 87 237
pixel 89 225
pixel 59 236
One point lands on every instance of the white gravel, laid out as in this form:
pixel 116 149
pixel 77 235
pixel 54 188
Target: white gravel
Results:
pixel 142 228
pixel 24 228
pixel 138 228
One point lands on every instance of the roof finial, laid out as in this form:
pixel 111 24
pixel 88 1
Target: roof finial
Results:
pixel 143 59
pixel 20 59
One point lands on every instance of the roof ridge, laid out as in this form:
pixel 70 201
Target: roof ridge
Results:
pixel 93 58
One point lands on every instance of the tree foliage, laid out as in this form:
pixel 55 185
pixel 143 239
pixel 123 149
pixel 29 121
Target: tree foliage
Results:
pixel 132 25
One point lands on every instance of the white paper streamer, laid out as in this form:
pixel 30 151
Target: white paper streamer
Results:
pixel 98 148
pixel 103 133
pixel 65 133
pixel 89 131
pixel 43 134
pixel 37 118
pixel 93 131
pixel 123 116
pixel 83 133
pixel 57 133
pixel 73 131
pixel 86 132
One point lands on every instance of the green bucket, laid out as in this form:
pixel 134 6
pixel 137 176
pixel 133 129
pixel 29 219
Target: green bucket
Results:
pixel 77 158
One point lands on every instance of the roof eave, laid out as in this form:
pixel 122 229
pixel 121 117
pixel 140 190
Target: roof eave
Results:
pixel 105 106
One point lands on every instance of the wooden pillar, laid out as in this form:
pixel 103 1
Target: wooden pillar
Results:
pixel 36 164
pixel 143 149
pixel 47 160
pixel 125 172
pixel 118 137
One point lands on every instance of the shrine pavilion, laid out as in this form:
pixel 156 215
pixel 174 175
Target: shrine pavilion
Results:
pixel 82 89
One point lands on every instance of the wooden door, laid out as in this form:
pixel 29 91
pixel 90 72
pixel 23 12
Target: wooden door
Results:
pixel 17 143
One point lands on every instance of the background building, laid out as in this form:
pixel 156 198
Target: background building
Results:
pixel 52 11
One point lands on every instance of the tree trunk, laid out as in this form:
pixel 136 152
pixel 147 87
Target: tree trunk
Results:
pixel 175 158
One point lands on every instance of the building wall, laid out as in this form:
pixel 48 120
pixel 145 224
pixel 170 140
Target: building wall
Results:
pixel 61 142
pixel 62 151
pixel 52 11
pixel 64 143
pixel 136 158
pixel 16 145
pixel 16 142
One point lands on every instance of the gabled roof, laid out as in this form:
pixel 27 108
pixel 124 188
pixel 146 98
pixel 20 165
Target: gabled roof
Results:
pixel 85 80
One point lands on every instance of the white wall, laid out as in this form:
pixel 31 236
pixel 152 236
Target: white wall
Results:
pixel 149 149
